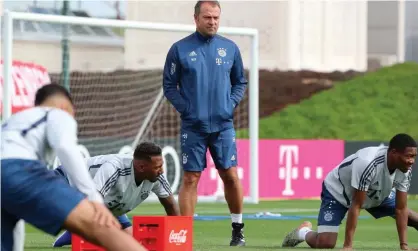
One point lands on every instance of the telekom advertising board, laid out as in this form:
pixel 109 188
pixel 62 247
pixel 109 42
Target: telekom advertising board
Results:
pixel 288 169
pixel 27 78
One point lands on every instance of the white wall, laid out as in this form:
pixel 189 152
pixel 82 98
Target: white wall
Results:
pixel 147 49
pixel 82 57
pixel 317 35
pixel 320 35
pixel 327 35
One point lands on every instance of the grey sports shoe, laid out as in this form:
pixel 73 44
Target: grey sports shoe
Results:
pixel 292 239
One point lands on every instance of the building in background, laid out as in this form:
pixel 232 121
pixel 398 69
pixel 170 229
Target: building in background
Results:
pixel 320 35
pixel 91 48
pixel 96 8
pixel 392 31
pixel 315 35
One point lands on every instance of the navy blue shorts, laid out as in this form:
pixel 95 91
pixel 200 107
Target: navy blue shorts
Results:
pixel 31 192
pixel 332 212
pixel 123 219
pixel 222 147
pixel 61 173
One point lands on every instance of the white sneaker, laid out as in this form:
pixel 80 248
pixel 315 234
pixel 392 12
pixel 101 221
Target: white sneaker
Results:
pixel 292 238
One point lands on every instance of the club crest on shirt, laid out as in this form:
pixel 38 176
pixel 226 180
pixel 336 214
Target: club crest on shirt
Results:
pixel 144 195
pixel 222 52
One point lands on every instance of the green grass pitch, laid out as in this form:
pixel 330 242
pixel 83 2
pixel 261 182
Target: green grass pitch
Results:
pixel 371 234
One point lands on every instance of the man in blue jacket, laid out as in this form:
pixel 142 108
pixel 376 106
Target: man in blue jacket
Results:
pixel 204 80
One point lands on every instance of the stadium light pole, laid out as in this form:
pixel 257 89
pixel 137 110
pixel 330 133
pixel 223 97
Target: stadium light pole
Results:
pixel 64 46
pixel 401 31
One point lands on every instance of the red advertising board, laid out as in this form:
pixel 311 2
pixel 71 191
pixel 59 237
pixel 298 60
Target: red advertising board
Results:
pixel 288 169
pixel 27 78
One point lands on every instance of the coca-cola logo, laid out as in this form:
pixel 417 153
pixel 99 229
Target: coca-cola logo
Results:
pixel 178 237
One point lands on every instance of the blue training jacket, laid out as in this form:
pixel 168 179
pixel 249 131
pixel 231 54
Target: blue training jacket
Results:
pixel 210 75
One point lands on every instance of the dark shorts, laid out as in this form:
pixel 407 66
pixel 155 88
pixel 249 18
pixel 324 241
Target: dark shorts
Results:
pixel 222 147
pixel 124 221
pixel 31 192
pixel 332 212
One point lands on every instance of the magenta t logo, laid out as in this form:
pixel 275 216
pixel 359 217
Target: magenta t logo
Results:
pixel 288 158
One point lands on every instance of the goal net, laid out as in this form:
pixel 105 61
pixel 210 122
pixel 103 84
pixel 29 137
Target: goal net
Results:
pixel 119 98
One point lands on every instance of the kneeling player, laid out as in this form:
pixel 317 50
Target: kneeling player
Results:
pixel 374 178
pixel 125 181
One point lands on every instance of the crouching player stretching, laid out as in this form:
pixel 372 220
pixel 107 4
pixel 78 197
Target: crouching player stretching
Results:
pixel 30 140
pixel 374 178
pixel 125 181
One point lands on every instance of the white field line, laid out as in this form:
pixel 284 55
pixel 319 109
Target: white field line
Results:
pixel 258 210
pixel 246 211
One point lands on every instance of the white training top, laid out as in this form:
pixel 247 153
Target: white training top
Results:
pixel 113 175
pixel 40 133
pixel 366 170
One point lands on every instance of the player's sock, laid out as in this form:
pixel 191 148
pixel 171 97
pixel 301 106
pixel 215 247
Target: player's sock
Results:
pixel 303 232
pixel 236 218
pixel 63 240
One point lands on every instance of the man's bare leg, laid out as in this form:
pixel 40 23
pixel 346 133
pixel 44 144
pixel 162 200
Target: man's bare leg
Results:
pixel 80 222
pixel 321 240
pixel 128 230
pixel 234 198
pixel 324 240
pixel 232 189
pixel 188 193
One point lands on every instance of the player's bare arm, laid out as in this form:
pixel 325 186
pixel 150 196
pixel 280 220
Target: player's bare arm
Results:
pixel 170 206
pixel 352 217
pixel 63 139
pixel 401 215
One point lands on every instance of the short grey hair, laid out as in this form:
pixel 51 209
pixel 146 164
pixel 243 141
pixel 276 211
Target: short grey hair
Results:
pixel 199 4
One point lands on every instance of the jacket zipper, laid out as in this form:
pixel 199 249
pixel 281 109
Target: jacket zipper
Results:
pixel 208 44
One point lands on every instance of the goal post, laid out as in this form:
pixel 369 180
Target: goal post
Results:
pixel 157 105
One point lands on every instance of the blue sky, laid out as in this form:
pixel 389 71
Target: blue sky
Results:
pixel 95 8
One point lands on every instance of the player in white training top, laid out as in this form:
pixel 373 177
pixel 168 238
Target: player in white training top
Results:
pixel 31 192
pixel 125 181
pixel 376 179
